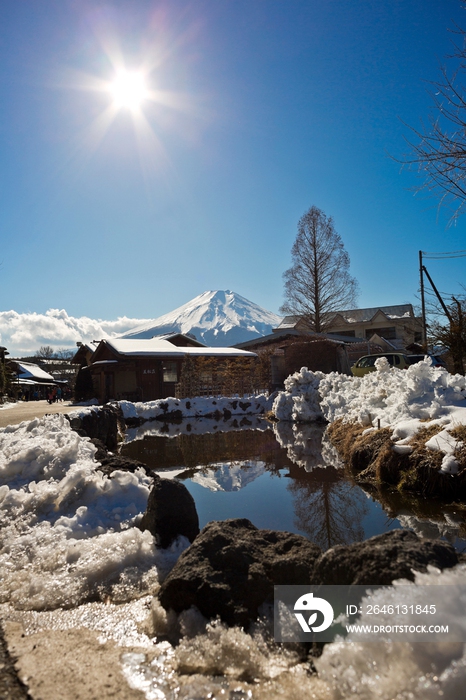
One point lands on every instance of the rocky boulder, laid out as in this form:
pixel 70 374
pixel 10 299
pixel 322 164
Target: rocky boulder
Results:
pixel 232 567
pixel 170 512
pixel 382 559
pixel 103 423
pixel 110 463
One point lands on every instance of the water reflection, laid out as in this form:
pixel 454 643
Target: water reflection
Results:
pixel 306 445
pixel 282 477
pixel 428 518
pixel 329 510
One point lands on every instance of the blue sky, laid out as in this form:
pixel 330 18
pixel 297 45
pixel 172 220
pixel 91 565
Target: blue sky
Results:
pixel 269 107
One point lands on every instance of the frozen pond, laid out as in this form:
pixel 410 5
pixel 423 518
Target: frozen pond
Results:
pixel 280 477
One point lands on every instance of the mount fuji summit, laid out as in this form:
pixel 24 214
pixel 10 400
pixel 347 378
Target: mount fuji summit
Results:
pixel 217 318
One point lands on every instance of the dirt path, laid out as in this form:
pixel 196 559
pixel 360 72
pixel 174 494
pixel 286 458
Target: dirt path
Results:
pixel 27 410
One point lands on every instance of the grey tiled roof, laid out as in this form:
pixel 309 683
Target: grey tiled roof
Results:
pixel 359 315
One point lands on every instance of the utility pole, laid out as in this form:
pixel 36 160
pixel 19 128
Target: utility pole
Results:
pixel 423 303
pixel 437 294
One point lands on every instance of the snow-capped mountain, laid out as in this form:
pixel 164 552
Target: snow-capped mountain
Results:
pixel 229 476
pixel 217 318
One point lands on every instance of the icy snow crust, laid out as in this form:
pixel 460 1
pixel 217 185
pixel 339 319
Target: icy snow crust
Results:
pixel 67 532
pixel 402 671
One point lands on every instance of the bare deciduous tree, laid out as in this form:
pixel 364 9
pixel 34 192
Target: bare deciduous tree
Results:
pixel 318 282
pixel 440 149
pixel 45 352
pixel 452 335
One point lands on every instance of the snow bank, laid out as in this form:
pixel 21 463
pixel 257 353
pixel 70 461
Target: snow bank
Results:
pixel 197 407
pixel 388 394
pixel 391 395
pixel 67 531
pixel 404 400
pixel 300 402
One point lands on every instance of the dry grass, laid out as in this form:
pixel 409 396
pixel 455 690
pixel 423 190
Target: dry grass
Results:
pixel 372 460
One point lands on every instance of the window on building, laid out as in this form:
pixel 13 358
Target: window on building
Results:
pixel 388 333
pixel 348 334
pixel 170 371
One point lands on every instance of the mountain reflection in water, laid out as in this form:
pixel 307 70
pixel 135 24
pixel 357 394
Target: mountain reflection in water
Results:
pixel 282 476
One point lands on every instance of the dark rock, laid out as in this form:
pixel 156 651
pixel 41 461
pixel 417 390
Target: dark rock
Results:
pixel 382 559
pixel 111 463
pixel 232 567
pixel 170 512
pixel 102 452
pixel 103 423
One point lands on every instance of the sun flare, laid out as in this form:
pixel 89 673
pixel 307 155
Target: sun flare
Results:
pixel 129 90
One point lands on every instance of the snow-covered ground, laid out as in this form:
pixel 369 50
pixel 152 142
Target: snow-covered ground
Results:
pixel 67 531
pixel 7 404
pixel 68 535
pixel 404 400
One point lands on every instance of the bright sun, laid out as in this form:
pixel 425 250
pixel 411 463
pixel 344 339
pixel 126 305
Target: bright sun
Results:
pixel 129 89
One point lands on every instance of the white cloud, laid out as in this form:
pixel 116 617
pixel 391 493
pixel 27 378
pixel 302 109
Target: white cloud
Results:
pixel 23 334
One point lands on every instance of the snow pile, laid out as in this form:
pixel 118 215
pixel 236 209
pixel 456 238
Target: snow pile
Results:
pixel 198 407
pixel 391 395
pixel 300 402
pixel 388 394
pixel 364 671
pixel 405 400
pixel 67 532
pixel 7 404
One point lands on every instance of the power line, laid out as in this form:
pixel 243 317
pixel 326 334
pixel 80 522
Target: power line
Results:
pixel 445 294
pixel 445 255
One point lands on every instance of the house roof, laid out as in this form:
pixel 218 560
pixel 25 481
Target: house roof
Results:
pixel 274 337
pixel 366 315
pixel 288 322
pixel 280 335
pixel 396 311
pixel 27 370
pixel 157 347
pixel 175 339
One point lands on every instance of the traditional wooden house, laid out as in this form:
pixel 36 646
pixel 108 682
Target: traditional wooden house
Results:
pixel 29 379
pixel 84 353
pixel 144 370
